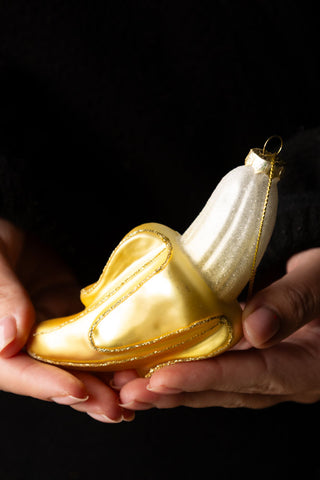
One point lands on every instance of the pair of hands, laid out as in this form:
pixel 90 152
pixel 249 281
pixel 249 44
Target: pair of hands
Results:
pixel 282 322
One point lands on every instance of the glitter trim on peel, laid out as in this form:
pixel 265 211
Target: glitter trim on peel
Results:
pixel 221 321
pixel 95 305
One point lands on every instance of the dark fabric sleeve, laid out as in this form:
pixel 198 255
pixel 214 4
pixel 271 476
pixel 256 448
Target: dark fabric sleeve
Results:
pixel 298 220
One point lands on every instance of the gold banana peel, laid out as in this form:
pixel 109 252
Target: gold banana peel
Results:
pixel 150 307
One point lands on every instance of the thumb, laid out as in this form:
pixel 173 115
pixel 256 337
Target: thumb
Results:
pixel 16 310
pixel 287 304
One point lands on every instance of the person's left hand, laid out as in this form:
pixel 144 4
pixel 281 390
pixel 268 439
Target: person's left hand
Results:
pixel 281 323
pixel 36 285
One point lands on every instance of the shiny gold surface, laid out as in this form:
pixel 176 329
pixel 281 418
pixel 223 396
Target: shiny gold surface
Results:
pixel 151 306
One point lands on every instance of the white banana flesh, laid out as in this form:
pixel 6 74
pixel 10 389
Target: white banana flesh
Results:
pixel 222 239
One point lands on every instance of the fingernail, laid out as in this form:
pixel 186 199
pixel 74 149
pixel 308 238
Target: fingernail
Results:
pixel 128 405
pixel 135 405
pixel 8 331
pixel 261 325
pixel 163 389
pixel 101 417
pixel 114 386
pixel 128 416
pixel 69 399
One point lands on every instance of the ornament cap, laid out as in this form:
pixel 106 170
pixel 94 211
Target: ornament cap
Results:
pixel 261 159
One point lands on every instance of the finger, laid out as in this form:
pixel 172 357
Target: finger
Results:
pixel 23 375
pixel 16 311
pixel 247 371
pixel 282 308
pixel 242 371
pixel 251 378
pixel 135 396
pixel 234 400
pixel 103 402
pixel 122 377
pixel 221 399
pixel 243 344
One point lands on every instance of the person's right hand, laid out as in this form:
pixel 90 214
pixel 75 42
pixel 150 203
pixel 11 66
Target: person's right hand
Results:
pixel 277 361
pixel 36 285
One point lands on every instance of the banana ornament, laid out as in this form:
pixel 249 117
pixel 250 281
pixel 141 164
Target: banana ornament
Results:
pixel 163 297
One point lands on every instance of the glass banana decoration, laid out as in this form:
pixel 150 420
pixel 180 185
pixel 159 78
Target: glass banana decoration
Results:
pixel 163 297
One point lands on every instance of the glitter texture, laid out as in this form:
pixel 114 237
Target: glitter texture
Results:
pixel 222 239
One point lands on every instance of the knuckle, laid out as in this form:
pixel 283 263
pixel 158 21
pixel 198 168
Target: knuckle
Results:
pixel 273 381
pixel 302 303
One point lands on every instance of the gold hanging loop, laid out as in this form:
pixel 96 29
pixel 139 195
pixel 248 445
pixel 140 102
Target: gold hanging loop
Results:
pixel 265 152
